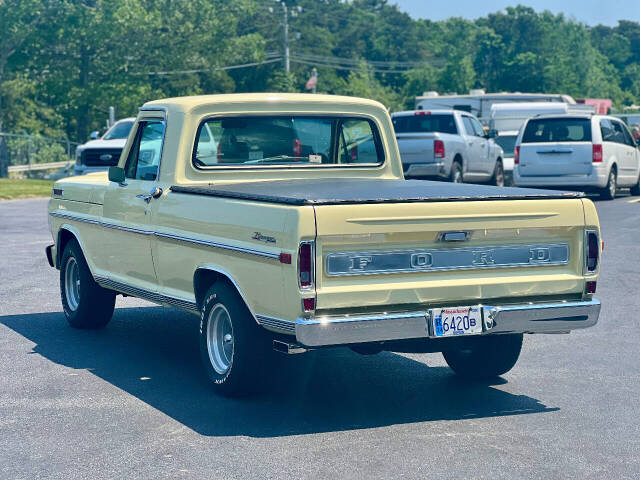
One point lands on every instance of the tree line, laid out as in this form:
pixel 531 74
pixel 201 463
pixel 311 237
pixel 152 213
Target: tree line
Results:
pixel 64 62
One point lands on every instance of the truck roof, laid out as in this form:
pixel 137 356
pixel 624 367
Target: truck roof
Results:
pixel 186 104
pixel 437 111
pixel 501 95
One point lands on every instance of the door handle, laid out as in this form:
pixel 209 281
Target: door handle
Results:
pixel 155 192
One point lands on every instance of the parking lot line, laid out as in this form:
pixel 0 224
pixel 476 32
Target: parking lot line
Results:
pixel 635 200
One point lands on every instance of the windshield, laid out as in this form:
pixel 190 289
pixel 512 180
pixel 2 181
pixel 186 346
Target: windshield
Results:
pixel 508 144
pixel 119 130
pixel 557 130
pixel 287 140
pixel 425 123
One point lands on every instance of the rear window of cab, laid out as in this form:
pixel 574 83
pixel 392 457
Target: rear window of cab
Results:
pixel 540 130
pixel 425 123
pixel 287 140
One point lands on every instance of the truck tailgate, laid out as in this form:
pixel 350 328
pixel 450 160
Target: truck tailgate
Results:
pixel 396 254
pixel 416 147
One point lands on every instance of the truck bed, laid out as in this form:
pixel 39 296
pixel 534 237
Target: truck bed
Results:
pixel 338 191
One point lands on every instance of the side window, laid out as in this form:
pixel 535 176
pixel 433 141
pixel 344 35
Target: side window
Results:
pixel 618 133
pixel 358 143
pixel 628 137
pixel 606 129
pixel 144 157
pixel 477 126
pixel 468 126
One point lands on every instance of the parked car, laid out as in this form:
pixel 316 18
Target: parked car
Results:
pixel 100 153
pixel 290 251
pixel 584 152
pixel 447 144
pixel 505 122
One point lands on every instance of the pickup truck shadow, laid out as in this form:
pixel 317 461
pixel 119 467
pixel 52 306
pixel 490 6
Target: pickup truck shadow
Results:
pixel 330 390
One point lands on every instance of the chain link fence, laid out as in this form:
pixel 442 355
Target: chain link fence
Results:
pixel 28 153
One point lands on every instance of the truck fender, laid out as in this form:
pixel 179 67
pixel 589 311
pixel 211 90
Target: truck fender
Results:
pixel 65 233
pixel 207 275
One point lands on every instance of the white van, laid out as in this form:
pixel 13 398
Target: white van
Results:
pixel 585 152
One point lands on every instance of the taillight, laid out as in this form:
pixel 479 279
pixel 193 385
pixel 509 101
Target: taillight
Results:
pixel 297 147
pixel 516 155
pixel 597 153
pixel 438 149
pixel 305 265
pixel 592 251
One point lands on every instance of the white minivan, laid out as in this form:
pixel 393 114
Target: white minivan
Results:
pixel 585 152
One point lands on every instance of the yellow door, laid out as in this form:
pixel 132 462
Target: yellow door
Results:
pixel 127 210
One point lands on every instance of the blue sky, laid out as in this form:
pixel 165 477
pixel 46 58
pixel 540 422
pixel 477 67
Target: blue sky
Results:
pixel 591 12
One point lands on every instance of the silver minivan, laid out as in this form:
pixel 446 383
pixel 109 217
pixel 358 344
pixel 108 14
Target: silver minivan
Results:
pixel 584 152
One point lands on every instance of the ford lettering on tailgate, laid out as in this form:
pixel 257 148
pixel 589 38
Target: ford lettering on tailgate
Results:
pixel 399 261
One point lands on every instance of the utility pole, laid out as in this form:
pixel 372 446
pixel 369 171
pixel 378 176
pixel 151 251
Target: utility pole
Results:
pixel 287 65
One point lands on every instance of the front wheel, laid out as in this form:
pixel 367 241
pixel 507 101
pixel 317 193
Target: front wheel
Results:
pixel 234 349
pixel 485 357
pixel 85 303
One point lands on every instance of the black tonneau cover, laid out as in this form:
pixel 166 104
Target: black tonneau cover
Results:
pixel 335 191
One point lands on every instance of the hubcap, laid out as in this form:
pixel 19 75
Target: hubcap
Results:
pixel 72 283
pixel 457 176
pixel 220 339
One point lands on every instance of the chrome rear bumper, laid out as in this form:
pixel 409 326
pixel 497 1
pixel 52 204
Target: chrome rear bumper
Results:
pixel 525 318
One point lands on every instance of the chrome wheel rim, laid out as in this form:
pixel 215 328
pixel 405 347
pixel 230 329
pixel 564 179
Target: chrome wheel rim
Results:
pixel 220 339
pixel 457 176
pixel 72 283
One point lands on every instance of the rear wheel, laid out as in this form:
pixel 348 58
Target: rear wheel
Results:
pixel 498 174
pixel 235 351
pixel 609 192
pixel 85 303
pixel 635 190
pixel 486 357
pixel 456 172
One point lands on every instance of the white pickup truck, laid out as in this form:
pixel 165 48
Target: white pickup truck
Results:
pixel 448 144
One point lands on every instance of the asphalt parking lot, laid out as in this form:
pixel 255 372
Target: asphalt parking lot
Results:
pixel 131 401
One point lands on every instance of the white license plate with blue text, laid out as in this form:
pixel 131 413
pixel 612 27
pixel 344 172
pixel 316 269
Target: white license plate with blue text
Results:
pixel 448 322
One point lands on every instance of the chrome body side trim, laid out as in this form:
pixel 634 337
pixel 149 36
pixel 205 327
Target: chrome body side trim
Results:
pixel 224 246
pixel 440 259
pixel 278 324
pixel 206 243
pixel 155 297
pixel 523 318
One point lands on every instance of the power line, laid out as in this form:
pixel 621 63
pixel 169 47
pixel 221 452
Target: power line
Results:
pixel 205 70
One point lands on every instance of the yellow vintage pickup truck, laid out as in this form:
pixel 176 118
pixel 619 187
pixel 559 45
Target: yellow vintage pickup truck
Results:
pixel 284 222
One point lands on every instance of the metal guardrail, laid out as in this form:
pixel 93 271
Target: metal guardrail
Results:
pixel 39 166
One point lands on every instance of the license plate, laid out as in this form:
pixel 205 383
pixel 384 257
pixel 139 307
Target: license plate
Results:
pixel 448 322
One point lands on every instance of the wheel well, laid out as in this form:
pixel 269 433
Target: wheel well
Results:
pixel 614 167
pixel 458 158
pixel 64 236
pixel 204 278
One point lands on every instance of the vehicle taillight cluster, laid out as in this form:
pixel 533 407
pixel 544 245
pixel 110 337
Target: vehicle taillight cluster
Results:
pixel 306 274
pixel 305 265
pixel 592 251
pixel 597 153
pixel 438 149
pixel 516 155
